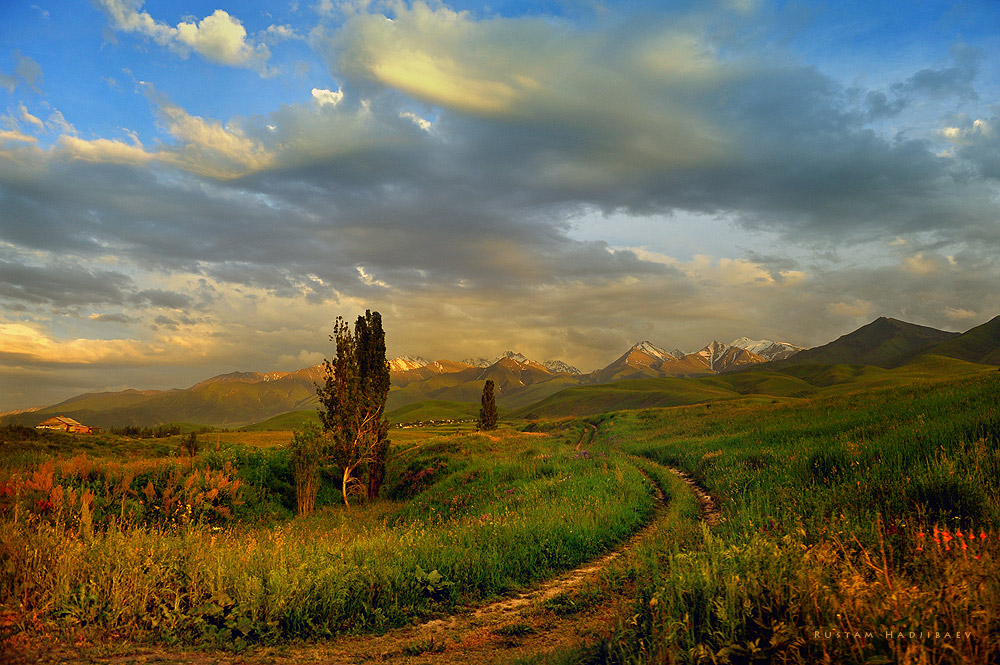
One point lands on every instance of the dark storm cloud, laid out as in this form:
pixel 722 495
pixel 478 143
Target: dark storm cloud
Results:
pixel 880 106
pixel 75 287
pixel 773 145
pixel 62 285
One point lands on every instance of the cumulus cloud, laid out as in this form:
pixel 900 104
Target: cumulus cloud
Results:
pixel 208 147
pixel 978 141
pixel 219 37
pixel 324 97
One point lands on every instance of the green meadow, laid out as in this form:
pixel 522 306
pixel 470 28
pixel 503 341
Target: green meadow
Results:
pixel 858 521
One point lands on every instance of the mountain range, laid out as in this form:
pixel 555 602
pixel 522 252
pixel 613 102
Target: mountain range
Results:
pixel 239 398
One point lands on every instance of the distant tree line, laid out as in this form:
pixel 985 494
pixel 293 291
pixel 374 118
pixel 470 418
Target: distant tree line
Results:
pixel 137 432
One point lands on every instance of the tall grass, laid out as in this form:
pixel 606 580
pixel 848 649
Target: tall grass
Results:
pixel 833 545
pixel 488 513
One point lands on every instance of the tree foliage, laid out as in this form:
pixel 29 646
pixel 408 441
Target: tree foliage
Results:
pixel 190 444
pixel 488 412
pixel 352 404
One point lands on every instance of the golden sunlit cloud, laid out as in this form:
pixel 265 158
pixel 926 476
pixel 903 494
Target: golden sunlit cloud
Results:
pixel 208 148
pixel 918 264
pixel 103 150
pixel 11 135
pixel 35 346
pixel 856 309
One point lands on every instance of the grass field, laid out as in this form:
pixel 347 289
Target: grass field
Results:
pixel 194 551
pixel 860 524
pixel 857 528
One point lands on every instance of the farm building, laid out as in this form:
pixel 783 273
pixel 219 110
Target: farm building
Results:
pixel 65 424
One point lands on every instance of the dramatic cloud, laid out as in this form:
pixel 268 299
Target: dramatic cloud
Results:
pixel 560 185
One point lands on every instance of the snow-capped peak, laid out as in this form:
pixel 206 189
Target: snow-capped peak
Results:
pixel 560 366
pixel 713 352
pixel 518 357
pixel 767 349
pixel 406 363
pixel 651 350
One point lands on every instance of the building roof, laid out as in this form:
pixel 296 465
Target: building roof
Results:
pixel 56 420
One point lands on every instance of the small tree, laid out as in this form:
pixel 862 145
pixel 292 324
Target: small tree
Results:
pixel 190 444
pixel 309 450
pixel 488 412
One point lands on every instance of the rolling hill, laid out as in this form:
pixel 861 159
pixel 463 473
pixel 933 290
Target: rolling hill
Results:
pixel 516 383
pixel 645 375
pixel 978 345
pixel 884 343
pixel 794 382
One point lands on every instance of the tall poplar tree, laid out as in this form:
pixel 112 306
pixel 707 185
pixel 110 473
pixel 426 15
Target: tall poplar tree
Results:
pixel 488 412
pixel 352 404
pixel 373 369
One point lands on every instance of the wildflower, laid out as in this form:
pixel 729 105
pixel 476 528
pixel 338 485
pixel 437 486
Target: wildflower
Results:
pixel 920 543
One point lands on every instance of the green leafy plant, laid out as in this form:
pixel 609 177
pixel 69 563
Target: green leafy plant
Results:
pixel 432 583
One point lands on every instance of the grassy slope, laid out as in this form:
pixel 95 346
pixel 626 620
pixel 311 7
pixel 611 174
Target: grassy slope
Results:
pixel 434 410
pixel 979 345
pixel 628 394
pixel 418 411
pixel 799 381
pixel 293 420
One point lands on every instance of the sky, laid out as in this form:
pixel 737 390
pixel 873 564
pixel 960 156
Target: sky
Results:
pixel 194 188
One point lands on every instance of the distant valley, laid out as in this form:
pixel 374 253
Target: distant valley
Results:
pixel 240 398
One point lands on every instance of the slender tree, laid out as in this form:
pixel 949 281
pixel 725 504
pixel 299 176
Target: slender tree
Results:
pixel 488 412
pixel 373 370
pixel 352 403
